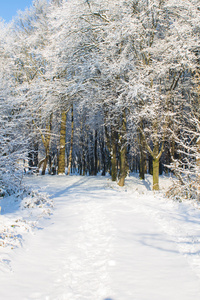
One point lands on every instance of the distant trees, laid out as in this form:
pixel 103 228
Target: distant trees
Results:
pixel 107 86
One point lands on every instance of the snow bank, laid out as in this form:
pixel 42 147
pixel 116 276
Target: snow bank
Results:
pixel 20 214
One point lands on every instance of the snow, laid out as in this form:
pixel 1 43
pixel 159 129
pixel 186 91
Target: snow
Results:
pixel 99 241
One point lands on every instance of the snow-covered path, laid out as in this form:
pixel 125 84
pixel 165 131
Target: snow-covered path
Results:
pixel 104 244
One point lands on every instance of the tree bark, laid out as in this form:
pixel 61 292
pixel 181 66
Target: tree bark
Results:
pixel 123 152
pixel 155 174
pixel 71 141
pixel 109 147
pixel 156 166
pixel 123 166
pixel 95 154
pixel 114 142
pixel 61 157
pixel 156 154
pixel 47 144
pixel 142 154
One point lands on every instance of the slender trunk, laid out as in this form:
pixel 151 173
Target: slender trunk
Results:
pixel 123 166
pixel 114 137
pixel 45 163
pixel 47 144
pixel 103 157
pixel 95 154
pixel 155 174
pixel 84 161
pixel 91 155
pixel 156 166
pixel 71 141
pixel 142 155
pixel 82 146
pixel 108 145
pixel 35 155
pixel 155 154
pixel 123 153
pixel 78 165
pixel 61 157
pixel 142 164
pixel 33 152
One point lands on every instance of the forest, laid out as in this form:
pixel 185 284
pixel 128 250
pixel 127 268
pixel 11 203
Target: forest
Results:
pixel 97 86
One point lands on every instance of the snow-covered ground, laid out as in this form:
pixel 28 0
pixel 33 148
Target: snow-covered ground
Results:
pixel 98 242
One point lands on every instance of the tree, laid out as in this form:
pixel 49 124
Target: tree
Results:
pixel 13 137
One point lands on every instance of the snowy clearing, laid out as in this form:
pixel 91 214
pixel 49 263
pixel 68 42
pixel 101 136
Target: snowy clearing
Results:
pixel 99 242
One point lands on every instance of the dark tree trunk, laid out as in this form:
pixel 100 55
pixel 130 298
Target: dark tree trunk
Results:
pixel 71 140
pixel 95 154
pixel 114 142
pixel 123 152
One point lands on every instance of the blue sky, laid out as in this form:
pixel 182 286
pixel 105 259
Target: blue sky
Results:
pixel 9 8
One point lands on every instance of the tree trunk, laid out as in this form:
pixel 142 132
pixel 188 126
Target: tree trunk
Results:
pixel 61 157
pixel 150 165
pixel 155 154
pixel 83 138
pixel 142 165
pixel 156 159
pixel 71 141
pixel 103 157
pixel 114 137
pixel 142 155
pixel 95 154
pixel 108 145
pixel 123 153
pixel 45 162
pixel 123 166
pixel 84 161
pixel 155 174
pixel 47 144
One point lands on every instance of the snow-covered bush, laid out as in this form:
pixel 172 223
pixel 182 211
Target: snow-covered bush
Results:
pixel 13 227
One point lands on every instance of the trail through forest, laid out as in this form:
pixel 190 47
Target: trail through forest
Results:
pixel 102 242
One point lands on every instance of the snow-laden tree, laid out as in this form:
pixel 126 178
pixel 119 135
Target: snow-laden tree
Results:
pixel 69 55
pixel 186 137
pixel 30 35
pixel 163 35
pixel 13 118
pixel 142 50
